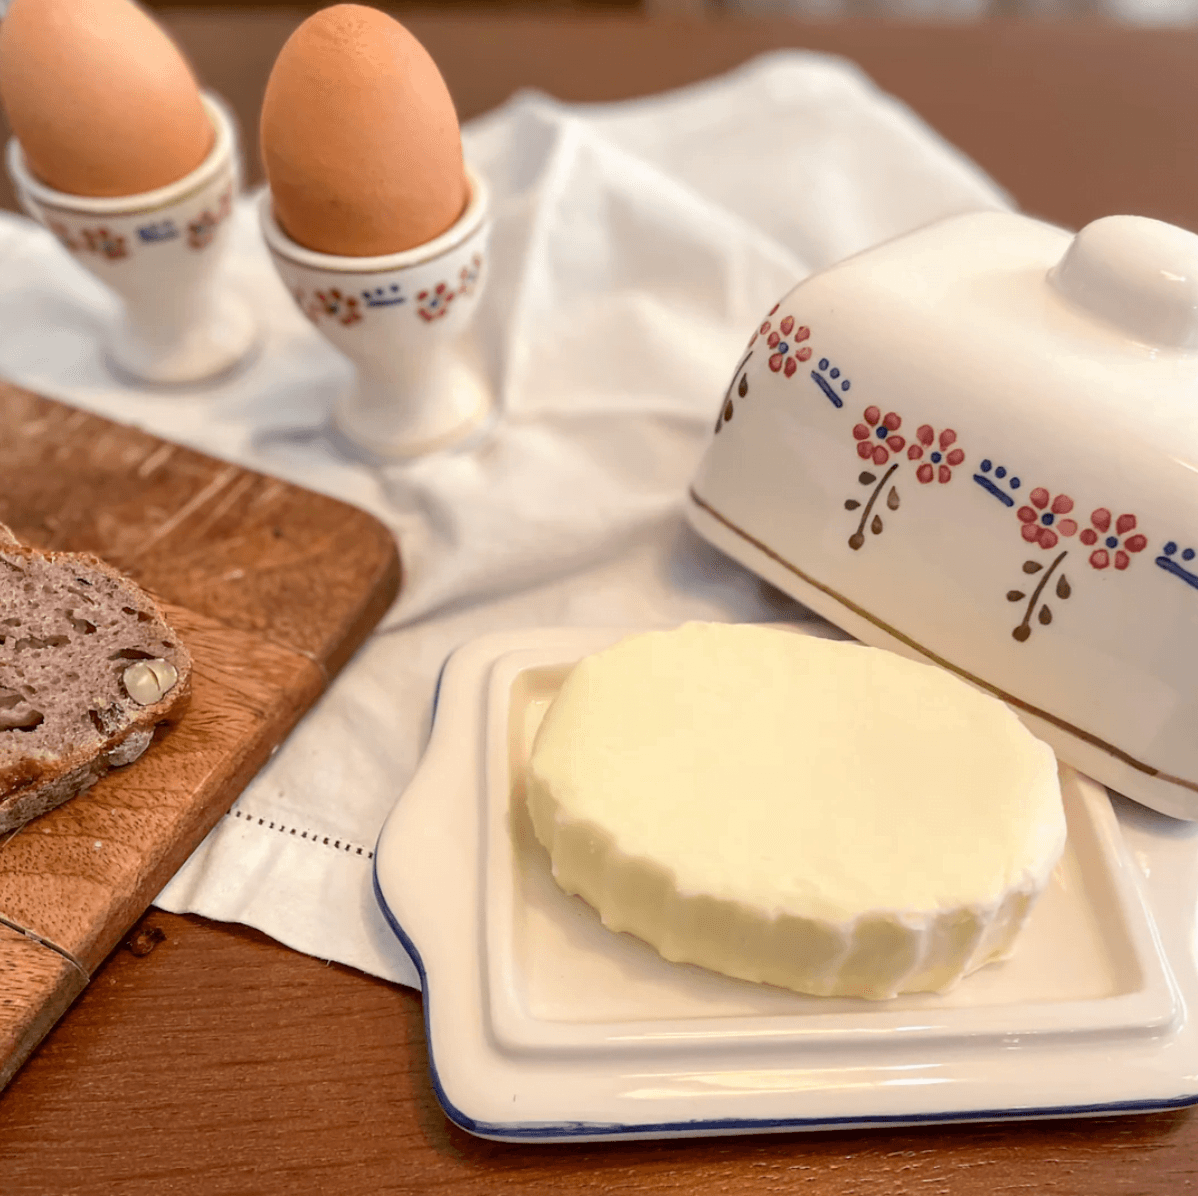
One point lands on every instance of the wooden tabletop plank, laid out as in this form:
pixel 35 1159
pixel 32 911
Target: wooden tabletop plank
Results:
pixel 1063 114
pixel 264 1071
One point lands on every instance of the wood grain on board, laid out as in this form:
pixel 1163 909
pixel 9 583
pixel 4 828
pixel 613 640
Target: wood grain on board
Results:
pixel 270 586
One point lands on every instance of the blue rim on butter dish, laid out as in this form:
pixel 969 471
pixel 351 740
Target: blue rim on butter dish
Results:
pixel 576 1130
pixel 467 902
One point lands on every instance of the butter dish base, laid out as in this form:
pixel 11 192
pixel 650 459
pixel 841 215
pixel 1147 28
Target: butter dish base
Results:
pixel 545 1026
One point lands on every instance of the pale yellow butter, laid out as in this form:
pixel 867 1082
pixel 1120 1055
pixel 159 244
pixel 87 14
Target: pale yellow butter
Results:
pixel 824 816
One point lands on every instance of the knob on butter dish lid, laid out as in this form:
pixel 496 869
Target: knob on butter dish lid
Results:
pixel 976 445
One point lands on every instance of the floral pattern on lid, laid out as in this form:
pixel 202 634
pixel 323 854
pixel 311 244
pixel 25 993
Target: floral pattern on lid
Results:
pixel 941 457
pixel 878 437
pixel 1115 545
pixel 1045 519
pixel 1042 522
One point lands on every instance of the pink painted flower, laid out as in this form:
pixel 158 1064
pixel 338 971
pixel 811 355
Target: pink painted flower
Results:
pixel 1118 541
pixel 785 343
pixel 434 303
pixel 764 329
pixel 342 308
pixel 1044 524
pixel 878 437
pixel 468 275
pixel 940 459
pixel 100 240
pixel 201 230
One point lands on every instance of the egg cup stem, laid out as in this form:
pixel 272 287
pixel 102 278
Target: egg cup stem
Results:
pixel 201 344
pixel 434 404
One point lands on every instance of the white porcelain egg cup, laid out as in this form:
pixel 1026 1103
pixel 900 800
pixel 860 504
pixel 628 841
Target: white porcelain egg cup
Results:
pixel 159 251
pixel 396 317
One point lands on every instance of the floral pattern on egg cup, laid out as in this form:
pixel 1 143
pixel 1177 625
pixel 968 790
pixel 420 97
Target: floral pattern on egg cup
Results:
pixel 159 251
pixel 398 318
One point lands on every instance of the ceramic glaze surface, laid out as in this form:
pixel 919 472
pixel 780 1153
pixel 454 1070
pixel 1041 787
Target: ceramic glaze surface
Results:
pixel 948 452
pixel 396 317
pixel 543 1025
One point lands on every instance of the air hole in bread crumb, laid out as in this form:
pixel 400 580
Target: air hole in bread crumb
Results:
pixel 25 722
pixel 32 641
pixel 132 654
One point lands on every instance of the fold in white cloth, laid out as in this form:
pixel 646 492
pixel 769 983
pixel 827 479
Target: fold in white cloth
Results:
pixel 634 248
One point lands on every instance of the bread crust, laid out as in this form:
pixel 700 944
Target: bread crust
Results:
pixel 32 782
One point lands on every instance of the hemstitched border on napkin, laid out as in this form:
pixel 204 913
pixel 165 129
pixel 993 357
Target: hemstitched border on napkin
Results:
pixel 314 836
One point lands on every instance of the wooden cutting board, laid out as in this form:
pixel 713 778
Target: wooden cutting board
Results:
pixel 272 588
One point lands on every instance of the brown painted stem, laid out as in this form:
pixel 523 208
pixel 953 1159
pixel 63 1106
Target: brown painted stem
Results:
pixel 1031 606
pixel 857 539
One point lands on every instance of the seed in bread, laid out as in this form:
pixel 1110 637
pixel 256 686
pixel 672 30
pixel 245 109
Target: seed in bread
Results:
pixel 88 668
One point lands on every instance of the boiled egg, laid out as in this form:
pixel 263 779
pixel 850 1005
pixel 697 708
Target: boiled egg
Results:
pixel 359 137
pixel 99 97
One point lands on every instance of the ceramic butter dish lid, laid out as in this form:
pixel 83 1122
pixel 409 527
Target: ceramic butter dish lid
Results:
pixel 978 445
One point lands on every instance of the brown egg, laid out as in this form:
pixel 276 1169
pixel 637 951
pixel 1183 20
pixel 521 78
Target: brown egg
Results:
pixel 99 97
pixel 359 137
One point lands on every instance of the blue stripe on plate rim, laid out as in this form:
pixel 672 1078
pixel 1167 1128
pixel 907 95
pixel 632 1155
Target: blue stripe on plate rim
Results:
pixel 547 1130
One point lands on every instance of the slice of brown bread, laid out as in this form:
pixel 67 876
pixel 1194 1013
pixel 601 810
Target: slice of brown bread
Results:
pixel 88 668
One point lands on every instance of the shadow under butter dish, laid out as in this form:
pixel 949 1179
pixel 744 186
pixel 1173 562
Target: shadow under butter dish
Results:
pixel 821 816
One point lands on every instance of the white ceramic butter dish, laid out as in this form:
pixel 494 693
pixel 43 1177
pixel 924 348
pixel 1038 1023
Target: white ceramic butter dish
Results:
pixel 543 1025
pixel 975 445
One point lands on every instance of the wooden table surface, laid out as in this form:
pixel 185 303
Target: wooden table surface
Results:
pixel 205 1058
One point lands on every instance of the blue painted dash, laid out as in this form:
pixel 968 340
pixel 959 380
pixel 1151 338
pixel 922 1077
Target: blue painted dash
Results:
pixel 1171 566
pixel 990 488
pixel 833 397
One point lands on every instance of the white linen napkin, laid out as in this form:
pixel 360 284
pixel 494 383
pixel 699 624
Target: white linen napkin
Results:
pixel 635 246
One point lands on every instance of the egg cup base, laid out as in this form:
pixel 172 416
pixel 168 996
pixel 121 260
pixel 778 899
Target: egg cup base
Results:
pixel 204 352
pixel 453 409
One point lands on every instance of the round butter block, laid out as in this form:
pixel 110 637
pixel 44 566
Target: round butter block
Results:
pixel 823 816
